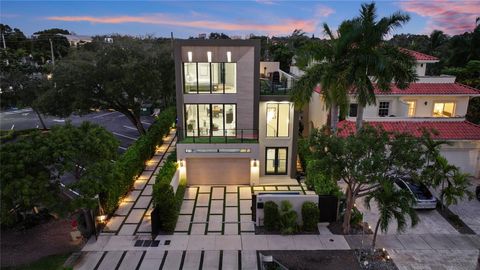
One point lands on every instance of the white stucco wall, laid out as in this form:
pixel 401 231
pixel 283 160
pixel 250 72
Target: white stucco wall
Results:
pixel 317 112
pixel 424 105
pixel 296 201
pixel 270 67
pixel 464 154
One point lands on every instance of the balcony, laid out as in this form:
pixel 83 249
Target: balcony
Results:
pixel 277 83
pixel 216 136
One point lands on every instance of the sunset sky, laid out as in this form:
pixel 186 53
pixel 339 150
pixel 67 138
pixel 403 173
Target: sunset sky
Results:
pixel 189 18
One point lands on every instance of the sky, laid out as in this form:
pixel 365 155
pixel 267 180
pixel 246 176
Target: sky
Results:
pixel 260 17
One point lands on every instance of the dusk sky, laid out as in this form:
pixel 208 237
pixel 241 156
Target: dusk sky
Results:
pixel 189 18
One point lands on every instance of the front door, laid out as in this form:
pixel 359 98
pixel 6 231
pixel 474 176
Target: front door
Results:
pixel 276 160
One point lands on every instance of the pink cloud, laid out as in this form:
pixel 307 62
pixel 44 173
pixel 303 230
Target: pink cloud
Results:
pixel 451 17
pixel 284 26
pixel 323 11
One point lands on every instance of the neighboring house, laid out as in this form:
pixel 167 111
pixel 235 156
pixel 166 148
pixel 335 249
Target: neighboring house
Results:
pixel 433 102
pixel 77 40
pixel 234 127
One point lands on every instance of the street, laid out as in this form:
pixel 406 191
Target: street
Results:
pixel 113 121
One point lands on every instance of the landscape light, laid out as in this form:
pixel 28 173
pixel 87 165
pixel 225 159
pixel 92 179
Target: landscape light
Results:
pixel 209 56
pixel 229 56
pixel 190 56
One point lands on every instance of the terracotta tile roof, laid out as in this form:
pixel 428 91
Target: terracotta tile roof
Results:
pixel 431 89
pixel 421 89
pixel 447 130
pixel 420 56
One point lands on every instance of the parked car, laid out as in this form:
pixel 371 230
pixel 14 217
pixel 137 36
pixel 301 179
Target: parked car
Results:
pixel 423 197
pixel 477 192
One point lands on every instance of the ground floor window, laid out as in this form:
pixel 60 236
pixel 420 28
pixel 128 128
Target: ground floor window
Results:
pixel 276 160
pixel 210 119
pixel 352 112
pixel 443 109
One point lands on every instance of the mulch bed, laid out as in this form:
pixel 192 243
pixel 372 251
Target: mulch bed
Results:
pixel 316 259
pixel 357 229
pixel 379 259
pixel 22 247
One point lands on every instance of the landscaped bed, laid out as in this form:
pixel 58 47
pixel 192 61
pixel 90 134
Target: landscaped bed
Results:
pixel 316 259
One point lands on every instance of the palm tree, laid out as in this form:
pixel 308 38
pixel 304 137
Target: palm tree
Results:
pixel 392 204
pixel 452 182
pixel 325 65
pixel 372 61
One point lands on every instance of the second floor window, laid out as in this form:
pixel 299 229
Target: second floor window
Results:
pixel 383 108
pixel 210 120
pixel 278 117
pixel 209 78
pixel 411 108
pixel 443 109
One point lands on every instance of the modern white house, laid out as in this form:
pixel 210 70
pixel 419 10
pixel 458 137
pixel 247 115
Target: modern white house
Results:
pixel 235 122
pixel 432 102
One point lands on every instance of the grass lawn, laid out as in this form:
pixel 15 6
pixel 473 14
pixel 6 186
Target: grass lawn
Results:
pixel 54 262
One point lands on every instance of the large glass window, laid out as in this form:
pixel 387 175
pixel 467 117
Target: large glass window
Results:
pixel 276 160
pixel 190 77
pixel 411 108
pixel 214 78
pixel 443 109
pixel 278 118
pixel 210 119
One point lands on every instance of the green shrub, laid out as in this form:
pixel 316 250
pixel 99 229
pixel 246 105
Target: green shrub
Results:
pixel 318 180
pixel 356 216
pixel 310 216
pixel 288 218
pixel 165 202
pixel 304 152
pixel 132 162
pixel 271 219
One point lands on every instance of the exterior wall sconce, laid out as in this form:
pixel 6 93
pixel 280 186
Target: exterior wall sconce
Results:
pixel 229 56
pixel 190 56
pixel 209 56
pixel 255 163
pixel 425 103
pixel 181 162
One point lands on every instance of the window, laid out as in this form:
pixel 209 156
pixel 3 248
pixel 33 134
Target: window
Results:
pixel 443 109
pixel 352 112
pixel 208 78
pixel 411 108
pixel 278 117
pixel 210 120
pixel 383 108
pixel 276 160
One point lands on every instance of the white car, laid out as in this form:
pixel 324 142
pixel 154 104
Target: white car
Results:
pixel 423 197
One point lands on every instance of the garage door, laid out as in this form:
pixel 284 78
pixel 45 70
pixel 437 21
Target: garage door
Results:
pixel 218 171
pixel 466 159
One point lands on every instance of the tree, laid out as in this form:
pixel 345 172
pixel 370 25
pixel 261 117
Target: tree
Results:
pixel 123 76
pixel 324 65
pixel 374 63
pixel 28 176
pixel 22 83
pixel 363 160
pixel 392 204
pixel 45 40
pixel 80 148
pixel 14 38
pixel 452 182
pixel 215 35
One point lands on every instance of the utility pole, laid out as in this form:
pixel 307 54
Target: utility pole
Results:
pixel 171 42
pixel 3 39
pixel 51 50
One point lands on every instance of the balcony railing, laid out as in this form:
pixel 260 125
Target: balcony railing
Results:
pixel 278 83
pixel 218 136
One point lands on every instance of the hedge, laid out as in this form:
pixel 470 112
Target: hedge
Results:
pixel 132 162
pixel 165 199
pixel 310 216
pixel 271 217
